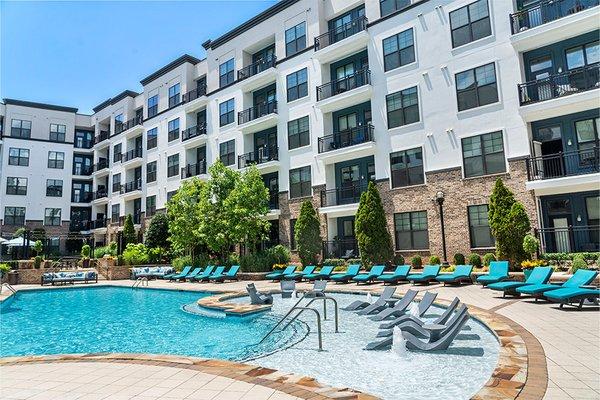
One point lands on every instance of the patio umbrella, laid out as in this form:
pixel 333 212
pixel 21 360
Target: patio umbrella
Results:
pixel 16 242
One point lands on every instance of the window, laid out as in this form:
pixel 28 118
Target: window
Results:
pixel 398 50
pixel 16 186
pixel 171 194
pixel 293 234
pixel 117 155
pixel 173 128
pixel 226 71
pixel 227 152
pixel 58 132
pixel 83 139
pixel 297 85
pixel 298 133
pixel 20 128
pixel 54 187
pixel 587 138
pixel 479 227
pixel 226 112
pixel 592 207
pixel 483 154
pixel 411 230
pixel 14 216
pixel 56 159
pixel 151 138
pixel 295 39
pixel 174 95
pixel 402 107
pixel 300 185
pixel 119 120
pixel 476 87
pixel 115 214
pixel 172 165
pixel 407 168
pixel 52 216
pixel 18 157
pixel 152 106
pixel 151 172
pixel 150 206
pixel 116 183
pixel 470 23
pixel 389 6
pixel 581 56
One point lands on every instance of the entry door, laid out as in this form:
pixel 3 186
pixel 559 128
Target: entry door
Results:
pixel 201 118
pixel 264 144
pixel 346 245
pixel 200 154
pixel 349 184
pixel 138 143
pixel 561 234
pixel 137 210
pixel 539 69
pixel 272 183
pixel 137 176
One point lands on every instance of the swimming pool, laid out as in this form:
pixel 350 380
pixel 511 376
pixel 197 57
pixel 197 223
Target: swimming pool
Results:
pixel 115 319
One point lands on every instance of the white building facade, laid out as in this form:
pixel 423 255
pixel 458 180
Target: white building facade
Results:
pixel 426 99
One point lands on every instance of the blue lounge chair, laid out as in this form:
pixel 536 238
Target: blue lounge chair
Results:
pixel 181 274
pixel 539 276
pixel 298 276
pixel 571 294
pixel 230 275
pixel 344 277
pixel 462 273
pixel 430 272
pixel 323 274
pixel 278 275
pixel 195 272
pixel 498 273
pixel 398 275
pixel 204 275
pixel 581 277
pixel 373 273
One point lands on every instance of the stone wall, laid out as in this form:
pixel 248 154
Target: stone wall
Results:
pixel 107 267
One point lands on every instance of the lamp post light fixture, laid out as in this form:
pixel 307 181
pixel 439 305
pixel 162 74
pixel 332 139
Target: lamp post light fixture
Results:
pixel 439 198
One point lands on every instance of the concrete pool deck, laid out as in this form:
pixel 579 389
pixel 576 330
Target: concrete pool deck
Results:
pixel 563 345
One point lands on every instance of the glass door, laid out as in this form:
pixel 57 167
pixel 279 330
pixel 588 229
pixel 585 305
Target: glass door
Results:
pixel 265 145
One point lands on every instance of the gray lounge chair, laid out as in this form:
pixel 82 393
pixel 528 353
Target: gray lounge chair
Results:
pixel 287 288
pixel 318 289
pixel 403 318
pixel 444 341
pixel 378 307
pixel 387 293
pixel 401 307
pixel 257 297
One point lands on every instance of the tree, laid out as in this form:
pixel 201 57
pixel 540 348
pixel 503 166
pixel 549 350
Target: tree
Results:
pixel 129 235
pixel 182 211
pixel 307 233
pixel 509 224
pixel 374 240
pixel 158 232
pixel 38 247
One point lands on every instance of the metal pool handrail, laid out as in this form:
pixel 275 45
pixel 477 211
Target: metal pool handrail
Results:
pixel 9 286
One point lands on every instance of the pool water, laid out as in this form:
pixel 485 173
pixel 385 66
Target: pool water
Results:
pixel 113 319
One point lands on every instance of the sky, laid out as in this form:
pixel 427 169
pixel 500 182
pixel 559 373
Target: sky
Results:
pixel 80 53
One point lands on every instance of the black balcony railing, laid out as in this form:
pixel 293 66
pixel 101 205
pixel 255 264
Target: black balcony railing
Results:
pixel 193 131
pixel 347 138
pixel 82 170
pixel 341 248
pixel 581 162
pixel 261 156
pixel 193 169
pixel 547 11
pixel 101 164
pixel 559 85
pixel 342 32
pixel 99 223
pixel 570 239
pixel 194 94
pixel 100 194
pixel 256 68
pixel 348 194
pixel 131 154
pixel 273 200
pixel 333 88
pixel 132 186
pixel 101 137
pixel 123 126
pixel 259 110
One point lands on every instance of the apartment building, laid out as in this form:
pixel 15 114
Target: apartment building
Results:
pixel 431 100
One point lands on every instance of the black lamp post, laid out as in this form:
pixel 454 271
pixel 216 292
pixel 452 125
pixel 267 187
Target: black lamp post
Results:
pixel 439 198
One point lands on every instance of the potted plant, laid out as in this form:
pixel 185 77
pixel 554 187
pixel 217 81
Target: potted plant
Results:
pixel 85 256
pixel 530 245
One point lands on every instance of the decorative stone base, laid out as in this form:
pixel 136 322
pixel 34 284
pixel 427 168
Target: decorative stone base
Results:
pixel 217 302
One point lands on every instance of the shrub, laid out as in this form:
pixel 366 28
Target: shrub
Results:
pixel 334 262
pixel 531 245
pixel 155 255
pixel 578 263
pixel 38 247
pixel 458 259
pixel 475 260
pixel 129 235
pixel 110 250
pixel 180 262
pixel 598 260
pixel 398 259
pixel 263 261
pixel 232 259
pixel 135 254
pixel 4 269
pixel 449 268
pixel 416 262
pixel 374 240
pixel 281 254
pixel 85 251
pixel 37 261
pixel 351 261
pixel 158 232
pixel 488 258
pixel 307 233
pixel 434 260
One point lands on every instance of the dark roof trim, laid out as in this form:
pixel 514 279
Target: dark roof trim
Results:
pixel 173 64
pixel 113 100
pixel 251 23
pixel 395 13
pixel 39 105
pixel 37 140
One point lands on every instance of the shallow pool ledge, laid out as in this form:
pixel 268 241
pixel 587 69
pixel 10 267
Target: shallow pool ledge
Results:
pixel 218 302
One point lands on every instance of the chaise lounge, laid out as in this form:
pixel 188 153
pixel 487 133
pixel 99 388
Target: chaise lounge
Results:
pixel 204 275
pixel 387 326
pixel 230 275
pixel 278 275
pixel 462 273
pixel 539 276
pixel 430 272
pixel 498 273
pixel 257 297
pixel 398 275
pixel 581 277
pixel 373 274
pixel 298 276
pixel 345 277
pixel 443 338
pixel 323 274
pixel 572 295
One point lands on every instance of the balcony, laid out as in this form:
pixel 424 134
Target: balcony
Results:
pixel 257 74
pixel 100 165
pixel 132 155
pixel 198 133
pixel 342 248
pixel 332 45
pixel 264 155
pixel 349 194
pixel 98 223
pixel 132 186
pixel 552 21
pixel 81 197
pixel 193 170
pixel 100 194
pixel 84 144
pixel 560 94
pixel 104 135
pixel 124 126
pixel 83 170
pixel 345 92
pixel 569 239
pixel 349 144
pixel 258 118
pixel 195 98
